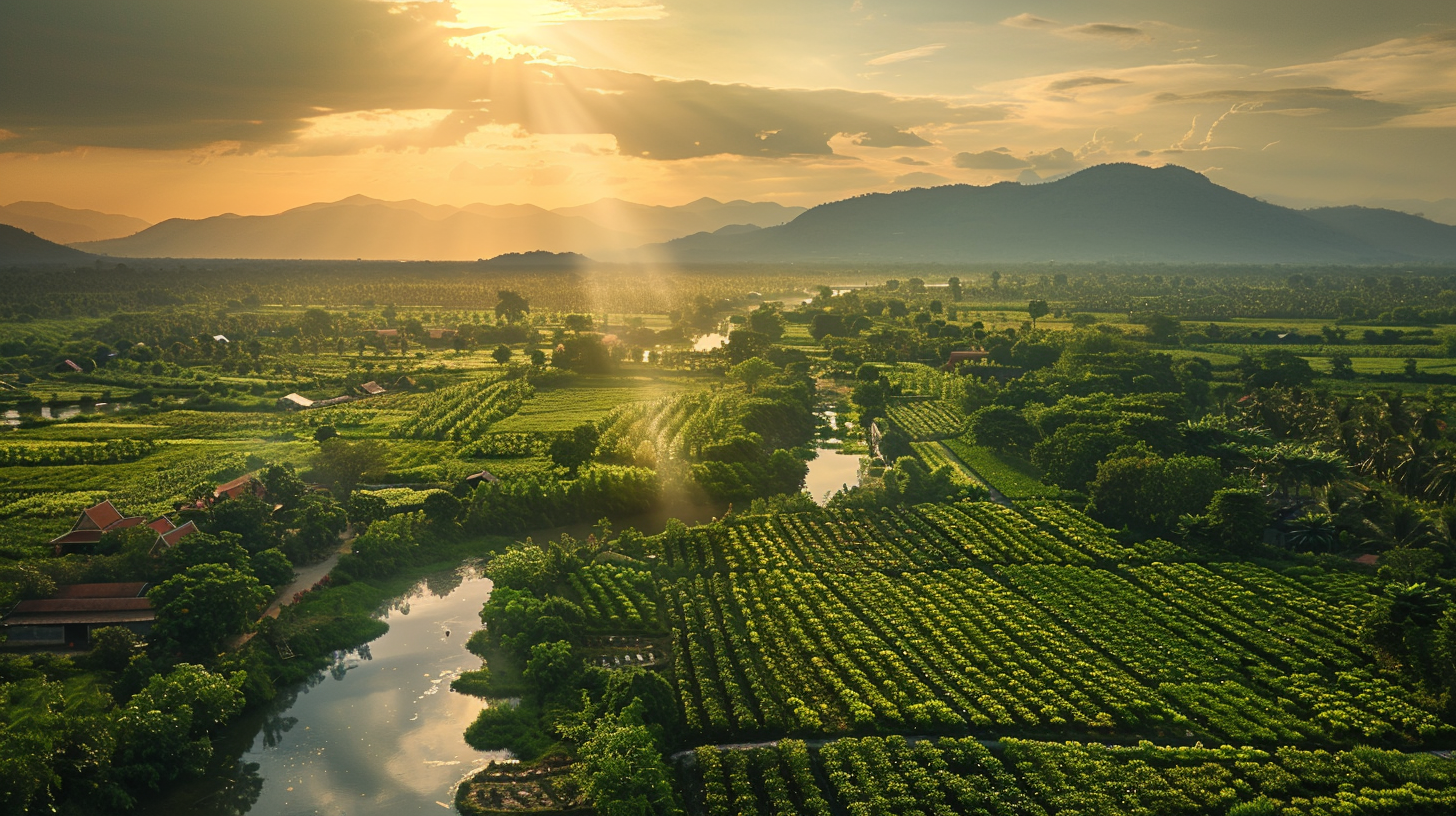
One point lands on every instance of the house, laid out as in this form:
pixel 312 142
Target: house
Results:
pixel 169 539
pixel 68 366
pixel 68 619
pixel 243 485
pixel 94 522
pixel 372 389
pixel 294 402
pixel 475 479
pixel 957 358
pixel 1367 560
pixel 383 332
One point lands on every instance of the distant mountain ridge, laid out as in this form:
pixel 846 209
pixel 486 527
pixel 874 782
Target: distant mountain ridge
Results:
pixel 368 228
pixel 65 225
pixel 19 248
pixel 1111 212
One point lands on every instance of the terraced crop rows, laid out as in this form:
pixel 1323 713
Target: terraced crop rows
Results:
pixel 927 419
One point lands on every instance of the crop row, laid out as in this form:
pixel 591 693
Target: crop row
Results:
pixel 796 651
pixel 890 539
pixel 111 452
pixel 616 597
pixel 874 776
pixel 463 412
pixel 927 419
pixel 935 455
pixel 1063 647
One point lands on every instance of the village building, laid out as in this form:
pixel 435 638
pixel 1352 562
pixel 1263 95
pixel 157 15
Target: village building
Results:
pixel 68 366
pixel 68 619
pixel 372 389
pixel 485 476
pixel 294 402
pixel 236 488
pixel 94 522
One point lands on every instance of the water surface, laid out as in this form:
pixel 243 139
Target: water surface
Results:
pixel 376 734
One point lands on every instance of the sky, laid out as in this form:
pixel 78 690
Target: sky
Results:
pixel 190 108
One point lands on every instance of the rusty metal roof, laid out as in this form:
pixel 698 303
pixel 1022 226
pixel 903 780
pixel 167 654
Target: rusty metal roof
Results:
pixel 132 589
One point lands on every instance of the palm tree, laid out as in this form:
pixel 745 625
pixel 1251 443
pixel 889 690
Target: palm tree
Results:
pixel 1312 532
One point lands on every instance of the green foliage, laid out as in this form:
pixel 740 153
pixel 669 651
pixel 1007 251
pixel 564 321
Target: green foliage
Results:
pixel 386 547
pixel 1150 493
pixel 198 610
pixel 343 464
pixel 521 566
pixel 272 568
pixel 575 449
pixel 1001 428
pixel 550 665
pixel 113 647
pixel 621 771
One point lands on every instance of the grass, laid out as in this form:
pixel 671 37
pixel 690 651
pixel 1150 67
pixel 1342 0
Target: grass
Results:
pixel 1008 474
pixel 588 400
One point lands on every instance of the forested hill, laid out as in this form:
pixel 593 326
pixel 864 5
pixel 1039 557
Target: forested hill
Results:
pixel 1112 212
pixel 20 247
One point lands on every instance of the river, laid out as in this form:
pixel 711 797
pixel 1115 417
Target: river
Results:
pixel 379 732
pixel 831 468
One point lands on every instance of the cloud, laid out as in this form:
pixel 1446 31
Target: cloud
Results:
pixel 1337 107
pixel 998 159
pixel 176 74
pixel 1030 21
pixel 1110 31
pixel 1057 159
pixel 911 54
pixel 920 180
pixel 1072 83
pixel 909 160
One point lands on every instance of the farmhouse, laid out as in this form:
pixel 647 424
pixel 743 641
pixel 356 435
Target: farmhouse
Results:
pixel 372 389
pixel 247 483
pixel 93 522
pixel 294 402
pixel 485 476
pixel 68 619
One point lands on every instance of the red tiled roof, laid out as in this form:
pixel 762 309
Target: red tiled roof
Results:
pixel 1368 559
pixel 234 488
pixel 98 516
pixel 483 476
pixel 131 589
pixel 57 611
pixel 162 525
pixel 78 537
pixel 129 521
pixel 171 538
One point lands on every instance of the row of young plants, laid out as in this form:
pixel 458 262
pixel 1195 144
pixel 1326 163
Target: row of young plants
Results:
pixel 949 650
pixel 776 780
pixel 616 598
pixel 111 452
pixel 1065 648
pixel 927 419
pixel 463 412
pixel 889 539
pixel 879 776
pixel 936 455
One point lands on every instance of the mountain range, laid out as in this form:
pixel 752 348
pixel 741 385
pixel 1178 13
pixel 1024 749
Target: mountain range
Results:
pixel 1111 212
pixel 19 247
pixel 368 228
pixel 63 225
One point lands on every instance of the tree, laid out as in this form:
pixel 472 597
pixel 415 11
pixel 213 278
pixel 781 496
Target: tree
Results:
pixel 1277 367
pixel 768 321
pixel 521 566
pixel 502 354
pixel 621 771
pixel 573 450
pixel 1162 328
pixel 1150 493
pixel 511 306
pixel 825 325
pixel 1312 532
pixel 953 287
pixel 112 647
pixel 200 609
pixel 202 548
pixel 316 323
pixel 282 482
pixel 441 508
pixel 1238 516
pixel 577 323
pixel 1001 427
pixel 343 464
pixel 1342 367
pixel 366 508
pixel 1037 309
pixel 584 353
pixel 550 666
pixel 752 371
pixel 538 357
pixel 272 568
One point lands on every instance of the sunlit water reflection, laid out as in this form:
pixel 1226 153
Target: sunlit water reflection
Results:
pixel 379 732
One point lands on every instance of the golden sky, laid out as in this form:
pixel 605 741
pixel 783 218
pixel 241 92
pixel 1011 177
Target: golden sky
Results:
pixel 190 108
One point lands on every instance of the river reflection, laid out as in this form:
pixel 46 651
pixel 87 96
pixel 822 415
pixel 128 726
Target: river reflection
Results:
pixel 377 732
